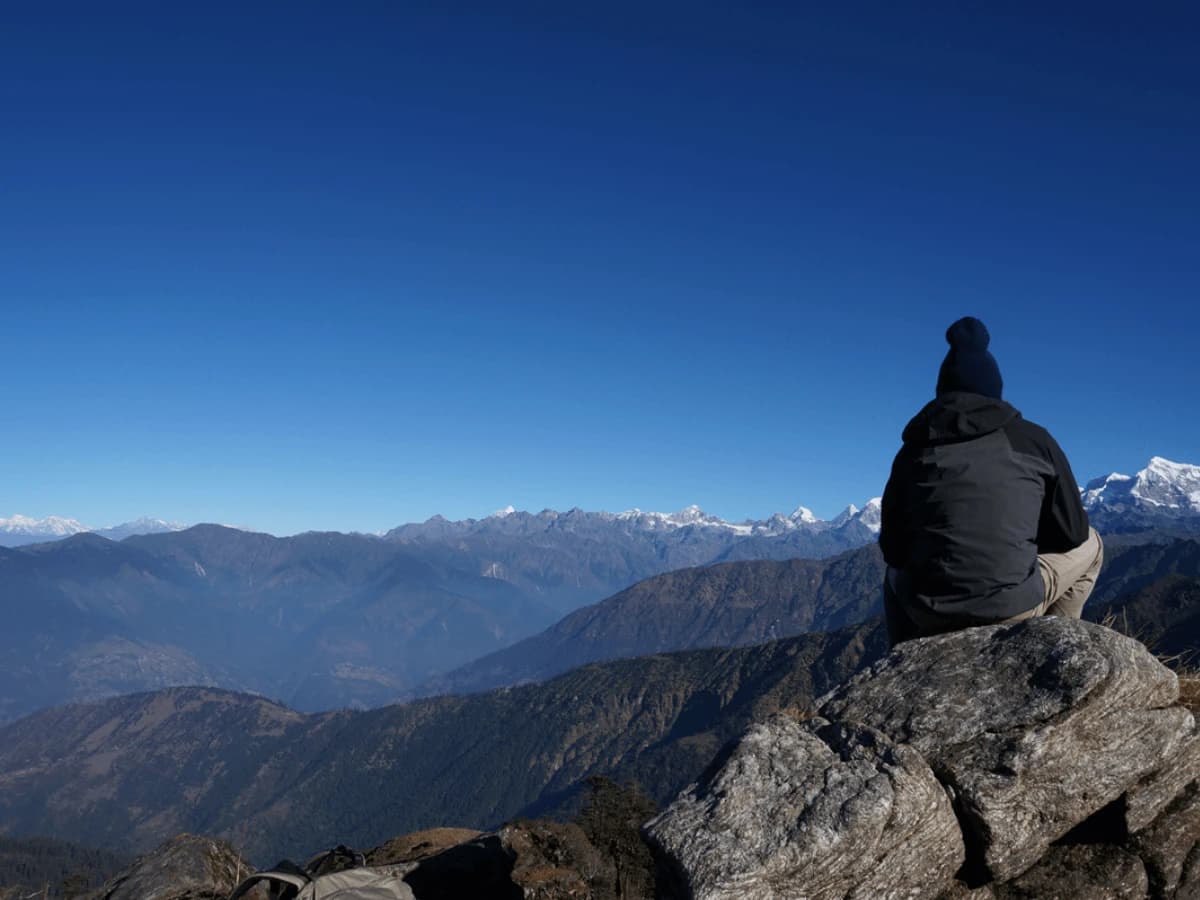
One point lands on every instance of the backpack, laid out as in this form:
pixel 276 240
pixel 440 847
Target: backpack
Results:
pixel 326 877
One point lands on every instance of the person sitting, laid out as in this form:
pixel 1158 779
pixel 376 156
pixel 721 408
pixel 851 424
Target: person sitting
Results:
pixel 982 520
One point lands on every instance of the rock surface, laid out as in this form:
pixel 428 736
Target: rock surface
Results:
pixel 1167 843
pixel 813 810
pixel 1151 795
pixel 1033 727
pixel 1189 881
pixel 1081 872
pixel 188 867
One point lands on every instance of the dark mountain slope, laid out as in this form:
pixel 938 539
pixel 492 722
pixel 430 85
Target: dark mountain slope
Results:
pixel 733 604
pixel 730 604
pixel 1130 566
pixel 1164 615
pixel 127 772
pixel 32 864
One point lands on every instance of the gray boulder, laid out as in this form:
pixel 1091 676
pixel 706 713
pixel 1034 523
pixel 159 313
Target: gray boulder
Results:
pixel 187 867
pixel 1032 727
pixel 812 810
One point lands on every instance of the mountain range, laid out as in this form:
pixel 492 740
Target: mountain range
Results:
pixel 127 772
pixel 323 620
pixel 1163 492
pixel 328 620
pixel 20 530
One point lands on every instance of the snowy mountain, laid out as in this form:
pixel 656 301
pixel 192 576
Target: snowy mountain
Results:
pixel 144 525
pixel 24 530
pixel 20 530
pixel 1163 494
pixel 577 557
pixel 800 519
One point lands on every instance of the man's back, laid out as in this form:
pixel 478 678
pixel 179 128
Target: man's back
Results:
pixel 979 508
pixel 976 493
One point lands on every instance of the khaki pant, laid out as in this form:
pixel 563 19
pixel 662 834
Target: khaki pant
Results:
pixel 1068 578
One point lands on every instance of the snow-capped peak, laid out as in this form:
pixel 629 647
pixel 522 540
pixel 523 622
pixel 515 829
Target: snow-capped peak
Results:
pixel 868 516
pixel 1162 464
pixel 19 529
pixel 1169 484
pixel 871 515
pixel 150 522
pixel 142 525
pixel 51 526
pixel 805 515
pixel 844 516
pixel 503 513
pixel 1164 487
pixel 689 515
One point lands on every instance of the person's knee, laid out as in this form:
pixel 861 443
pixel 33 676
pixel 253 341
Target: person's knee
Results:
pixel 1098 562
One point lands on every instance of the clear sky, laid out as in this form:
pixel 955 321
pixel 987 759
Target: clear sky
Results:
pixel 347 265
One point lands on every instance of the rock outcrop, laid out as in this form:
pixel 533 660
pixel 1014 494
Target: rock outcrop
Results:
pixel 1040 736
pixel 812 810
pixel 188 867
pixel 1032 727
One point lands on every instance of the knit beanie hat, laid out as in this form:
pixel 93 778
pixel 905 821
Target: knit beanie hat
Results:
pixel 969 366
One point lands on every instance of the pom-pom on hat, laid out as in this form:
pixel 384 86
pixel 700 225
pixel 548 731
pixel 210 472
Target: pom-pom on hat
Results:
pixel 969 366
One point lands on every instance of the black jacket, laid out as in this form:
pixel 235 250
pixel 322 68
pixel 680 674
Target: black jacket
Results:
pixel 975 493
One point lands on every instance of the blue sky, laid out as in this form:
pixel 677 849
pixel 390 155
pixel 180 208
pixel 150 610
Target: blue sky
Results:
pixel 343 266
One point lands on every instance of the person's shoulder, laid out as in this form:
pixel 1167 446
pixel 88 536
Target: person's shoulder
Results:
pixel 1030 437
pixel 1022 425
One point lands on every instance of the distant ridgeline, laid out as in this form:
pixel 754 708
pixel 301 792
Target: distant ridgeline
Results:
pixel 328 620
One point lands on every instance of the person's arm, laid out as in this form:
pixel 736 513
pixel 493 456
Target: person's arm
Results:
pixel 892 533
pixel 1063 524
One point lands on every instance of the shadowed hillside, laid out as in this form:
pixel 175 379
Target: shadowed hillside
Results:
pixel 64 869
pixel 127 772
pixel 730 604
pixel 734 604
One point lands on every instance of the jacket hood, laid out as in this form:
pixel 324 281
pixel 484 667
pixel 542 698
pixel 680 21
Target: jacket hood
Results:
pixel 958 416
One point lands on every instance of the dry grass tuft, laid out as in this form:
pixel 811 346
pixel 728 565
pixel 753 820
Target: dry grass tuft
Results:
pixel 1189 690
pixel 800 714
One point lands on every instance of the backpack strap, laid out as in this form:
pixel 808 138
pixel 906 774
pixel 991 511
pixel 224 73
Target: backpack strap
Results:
pixel 295 880
pixel 341 851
